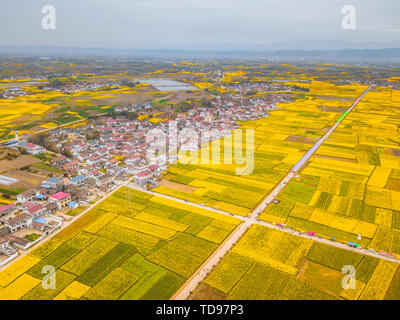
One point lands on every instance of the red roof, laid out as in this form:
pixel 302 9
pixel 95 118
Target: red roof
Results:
pixel 135 157
pixel 153 167
pixel 35 208
pixel 60 195
pixel 6 207
pixel 144 174
pixel 29 204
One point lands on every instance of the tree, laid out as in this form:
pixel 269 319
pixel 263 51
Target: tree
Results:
pixel 184 107
pixel 128 84
pixel 56 83
pixel 93 135
pixel 251 92
pixel 66 153
pixel 206 102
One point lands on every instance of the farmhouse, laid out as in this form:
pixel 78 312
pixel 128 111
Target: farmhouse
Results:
pixel 5 246
pixel 51 207
pixel 71 166
pixel 132 160
pixel 143 177
pixel 35 210
pixel 19 222
pixel 4 210
pixel 78 181
pixel 28 195
pixel 33 148
pixel 61 199
pixel 104 182
pixel 58 162
pixel 54 182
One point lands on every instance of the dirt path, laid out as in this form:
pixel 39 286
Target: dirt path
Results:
pixel 191 284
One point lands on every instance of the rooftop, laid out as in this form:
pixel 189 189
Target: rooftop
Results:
pixel 6 207
pixel 59 195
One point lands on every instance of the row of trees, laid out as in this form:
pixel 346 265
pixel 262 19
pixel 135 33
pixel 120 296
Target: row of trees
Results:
pixel 130 115
pixel 44 140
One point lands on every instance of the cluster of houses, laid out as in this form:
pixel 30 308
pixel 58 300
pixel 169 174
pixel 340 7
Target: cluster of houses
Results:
pixel 133 107
pixel 120 148
pixel 83 86
pixel 258 86
pixel 78 188
pixel 30 212
pixel 12 93
pixel 30 148
pixel 109 149
pixel 40 209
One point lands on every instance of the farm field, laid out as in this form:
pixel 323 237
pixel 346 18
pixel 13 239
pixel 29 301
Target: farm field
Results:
pixel 44 109
pixel 131 246
pixel 137 246
pixel 46 105
pixel 270 264
pixel 280 140
pixel 351 186
pixel 29 171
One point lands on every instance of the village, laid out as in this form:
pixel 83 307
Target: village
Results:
pixel 98 156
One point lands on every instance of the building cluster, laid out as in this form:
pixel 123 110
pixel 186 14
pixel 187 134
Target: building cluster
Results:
pixel 40 210
pixel 107 150
pixel 83 86
pixel 12 93
pixel 133 107
pixel 32 214
pixel 120 147
pixel 28 147
pixel 256 86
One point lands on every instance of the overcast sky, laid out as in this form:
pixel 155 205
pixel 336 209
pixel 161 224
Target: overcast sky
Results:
pixel 193 23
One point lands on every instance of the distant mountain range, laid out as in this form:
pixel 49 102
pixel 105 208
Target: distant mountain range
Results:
pixel 304 45
pixel 314 50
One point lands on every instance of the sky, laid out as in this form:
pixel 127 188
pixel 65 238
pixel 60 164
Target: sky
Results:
pixel 193 24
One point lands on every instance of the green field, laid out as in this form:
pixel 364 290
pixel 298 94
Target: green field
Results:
pixel 131 246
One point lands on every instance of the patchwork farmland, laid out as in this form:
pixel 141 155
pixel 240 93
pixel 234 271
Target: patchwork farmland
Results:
pixel 349 188
pixel 280 140
pixel 270 264
pixel 196 229
pixel 131 246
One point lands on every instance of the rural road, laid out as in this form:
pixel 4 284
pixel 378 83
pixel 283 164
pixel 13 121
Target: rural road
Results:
pixel 188 287
pixel 185 291
pixel 253 219
pixel 282 184
pixel 134 186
